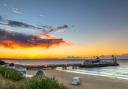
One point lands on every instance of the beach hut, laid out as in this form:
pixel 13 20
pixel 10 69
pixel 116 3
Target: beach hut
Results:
pixel 40 72
pixel 10 66
pixel 22 70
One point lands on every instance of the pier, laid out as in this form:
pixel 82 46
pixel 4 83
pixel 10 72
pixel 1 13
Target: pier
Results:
pixel 74 66
pixel 83 63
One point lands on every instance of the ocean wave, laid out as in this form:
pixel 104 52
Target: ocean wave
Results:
pixel 121 74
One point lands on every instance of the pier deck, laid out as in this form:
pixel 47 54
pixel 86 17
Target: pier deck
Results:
pixel 73 65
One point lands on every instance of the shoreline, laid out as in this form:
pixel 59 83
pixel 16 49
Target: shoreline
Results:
pixel 88 81
pixel 70 71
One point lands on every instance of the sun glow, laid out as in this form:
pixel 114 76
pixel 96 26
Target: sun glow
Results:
pixel 61 51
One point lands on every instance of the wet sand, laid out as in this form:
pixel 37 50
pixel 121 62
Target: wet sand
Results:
pixel 87 81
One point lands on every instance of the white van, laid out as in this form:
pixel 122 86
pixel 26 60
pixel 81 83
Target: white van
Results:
pixel 76 81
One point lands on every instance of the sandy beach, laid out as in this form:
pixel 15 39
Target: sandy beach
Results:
pixel 88 81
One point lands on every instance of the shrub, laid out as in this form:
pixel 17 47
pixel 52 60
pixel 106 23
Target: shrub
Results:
pixel 2 62
pixel 8 84
pixel 10 74
pixel 43 83
pixel 32 83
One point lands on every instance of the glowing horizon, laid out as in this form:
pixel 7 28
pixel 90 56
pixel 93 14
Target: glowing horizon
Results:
pixel 59 52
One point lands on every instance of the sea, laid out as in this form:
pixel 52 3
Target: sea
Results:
pixel 120 71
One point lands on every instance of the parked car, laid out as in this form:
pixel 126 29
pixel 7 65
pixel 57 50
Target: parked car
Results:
pixel 76 81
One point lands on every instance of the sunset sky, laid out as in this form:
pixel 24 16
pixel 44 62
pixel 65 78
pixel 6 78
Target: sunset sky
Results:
pixel 82 28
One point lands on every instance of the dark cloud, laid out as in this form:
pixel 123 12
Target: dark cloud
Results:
pixel 44 29
pixel 48 29
pixel 14 23
pixel 63 27
pixel 59 27
pixel 21 24
pixel 11 39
